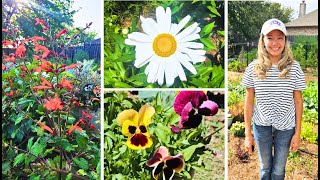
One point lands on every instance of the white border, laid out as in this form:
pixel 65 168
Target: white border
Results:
pixel 226 110
pixel 102 94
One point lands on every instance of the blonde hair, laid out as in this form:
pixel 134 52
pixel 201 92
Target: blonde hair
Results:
pixel 264 63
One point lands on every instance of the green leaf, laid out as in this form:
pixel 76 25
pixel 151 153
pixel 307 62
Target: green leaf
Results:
pixel 213 10
pixel 66 145
pixel 5 167
pixel 82 141
pixel 207 29
pixel 69 176
pixel 162 133
pixel 82 172
pixel 30 141
pixel 208 44
pixel 36 149
pixel 82 163
pixel 188 152
pixel 18 159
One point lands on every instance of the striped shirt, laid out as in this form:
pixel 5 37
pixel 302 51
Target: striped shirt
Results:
pixel 274 96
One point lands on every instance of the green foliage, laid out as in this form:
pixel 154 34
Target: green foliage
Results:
pixel 121 18
pixel 81 55
pixel 310 95
pixel 237 66
pixel 122 162
pixel 237 129
pixel 305 51
pixel 37 141
pixel 308 133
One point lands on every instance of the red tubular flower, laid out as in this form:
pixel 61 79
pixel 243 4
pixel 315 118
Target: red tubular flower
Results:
pixel 9 58
pixel 60 33
pixel 21 50
pixel 3 67
pixel 43 126
pixel 86 115
pixel 66 84
pixel 7 43
pixel 35 39
pixel 46 66
pixel 53 104
pixel 44 85
pixel 45 50
pixel 74 127
pixel 71 66
pixel 5 30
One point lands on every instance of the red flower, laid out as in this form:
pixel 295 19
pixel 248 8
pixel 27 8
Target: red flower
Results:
pixel 60 33
pixel 9 58
pixel 37 38
pixel 3 67
pixel 40 21
pixel 21 50
pixel 74 127
pixel 5 30
pixel 45 50
pixel 43 126
pixel 46 66
pixel 53 104
pixel 71 66
pixel 86 115
pixel 66 84
pixel 6 43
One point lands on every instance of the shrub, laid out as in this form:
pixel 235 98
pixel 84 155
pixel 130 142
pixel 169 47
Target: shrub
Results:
pixel 238 129
pixel 81 55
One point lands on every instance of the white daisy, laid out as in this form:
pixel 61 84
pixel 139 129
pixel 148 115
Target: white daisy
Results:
pixel 166 48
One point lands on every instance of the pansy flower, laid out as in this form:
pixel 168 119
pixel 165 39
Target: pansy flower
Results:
pixel 161 161
pixel 192 106
pixel 166 46
pixel 134 126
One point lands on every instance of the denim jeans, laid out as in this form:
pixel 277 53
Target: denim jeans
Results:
pixel 272 164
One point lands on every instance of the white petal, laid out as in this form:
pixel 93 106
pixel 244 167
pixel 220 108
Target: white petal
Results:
pixel 193 45
pixel 196 59
pixel 180 70
pixel 160 75
pixel 140 37
pixel 187 31
pixel 184 60
pixel 153 70
pixel 143 54
pixel 192 52
pixel 189 38
pixel 163 19
pixel 169 72
pixel 181 24
pixel 149 26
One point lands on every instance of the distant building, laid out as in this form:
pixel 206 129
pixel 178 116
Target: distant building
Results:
pixel 305 24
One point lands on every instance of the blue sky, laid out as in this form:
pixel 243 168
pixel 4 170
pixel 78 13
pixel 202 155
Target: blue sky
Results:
pixel 89 11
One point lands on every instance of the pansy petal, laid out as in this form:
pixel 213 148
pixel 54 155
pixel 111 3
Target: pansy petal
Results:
pixel 157 170
pixel 208 108
pixel 128 128
pixel 175 129
pixel 168 173
pixel 182 99
pixel 161 153
pixel 127 115
pixel 145 114
pixel 198 98
pixel 189 118
pixel 175 163
pixel 139 141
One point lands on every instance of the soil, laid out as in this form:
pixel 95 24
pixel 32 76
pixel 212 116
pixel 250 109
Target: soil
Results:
pixel 302 165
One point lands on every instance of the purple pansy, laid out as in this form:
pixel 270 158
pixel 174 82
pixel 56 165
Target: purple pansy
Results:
pixel 192 106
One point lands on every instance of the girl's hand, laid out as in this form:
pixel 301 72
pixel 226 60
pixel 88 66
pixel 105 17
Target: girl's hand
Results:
pixel 295 142
pixel 249 143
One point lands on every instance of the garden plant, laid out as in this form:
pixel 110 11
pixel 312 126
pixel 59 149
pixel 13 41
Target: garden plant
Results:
pixel 151 134
pixel 145 40
pixel 50 107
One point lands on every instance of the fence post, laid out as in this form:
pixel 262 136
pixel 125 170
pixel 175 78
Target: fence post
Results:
pixel 306 55
pixel 248 44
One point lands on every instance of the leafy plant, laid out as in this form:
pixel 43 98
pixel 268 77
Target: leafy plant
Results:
pixel 81 55
pixel 238 129
pixel 123 17
pixel 123 163
pixel 47 131
pixel 308 133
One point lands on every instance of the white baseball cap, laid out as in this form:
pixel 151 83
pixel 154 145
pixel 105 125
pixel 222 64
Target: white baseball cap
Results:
pixel 273 24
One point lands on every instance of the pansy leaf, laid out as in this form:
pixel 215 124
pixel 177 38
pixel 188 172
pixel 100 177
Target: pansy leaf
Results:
pixel 188 152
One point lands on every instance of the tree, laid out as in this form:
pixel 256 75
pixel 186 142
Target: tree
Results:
pixel 247 17
pixel 55 13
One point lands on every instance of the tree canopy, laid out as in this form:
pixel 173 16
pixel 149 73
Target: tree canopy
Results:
pixel 245 18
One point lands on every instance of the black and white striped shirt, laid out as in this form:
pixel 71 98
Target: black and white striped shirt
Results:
pixel 274 96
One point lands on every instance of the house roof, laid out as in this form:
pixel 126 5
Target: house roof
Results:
pixel 310 19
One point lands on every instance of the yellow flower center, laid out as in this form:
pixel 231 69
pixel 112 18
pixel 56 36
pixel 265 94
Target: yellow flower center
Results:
pixel 164 45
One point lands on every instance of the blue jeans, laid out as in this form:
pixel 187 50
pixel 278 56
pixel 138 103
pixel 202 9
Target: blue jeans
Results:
pixel 272 165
